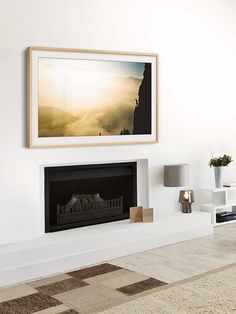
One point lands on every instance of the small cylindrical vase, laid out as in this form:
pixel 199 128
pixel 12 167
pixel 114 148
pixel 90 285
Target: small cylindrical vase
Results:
pixel 218 171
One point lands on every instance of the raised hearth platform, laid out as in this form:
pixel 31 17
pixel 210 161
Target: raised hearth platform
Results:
pixel 65 250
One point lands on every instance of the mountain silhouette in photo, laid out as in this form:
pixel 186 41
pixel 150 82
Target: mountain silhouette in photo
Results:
pixel 142 111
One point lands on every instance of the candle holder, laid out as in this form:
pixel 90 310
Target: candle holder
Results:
pixel 186 198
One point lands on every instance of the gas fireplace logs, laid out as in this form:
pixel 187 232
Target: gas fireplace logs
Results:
pixel 88 206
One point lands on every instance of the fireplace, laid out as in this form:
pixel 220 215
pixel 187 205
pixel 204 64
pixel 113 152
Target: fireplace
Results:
pixel 84 195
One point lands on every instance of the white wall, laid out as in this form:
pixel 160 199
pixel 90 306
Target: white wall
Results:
pixel 196 42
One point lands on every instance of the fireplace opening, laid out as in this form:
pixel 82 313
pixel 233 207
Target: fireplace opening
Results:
pixel 85 195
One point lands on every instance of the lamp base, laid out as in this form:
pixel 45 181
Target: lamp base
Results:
pixel 186 208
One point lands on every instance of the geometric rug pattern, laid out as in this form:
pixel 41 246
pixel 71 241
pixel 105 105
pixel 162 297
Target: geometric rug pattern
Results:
pixel 87 290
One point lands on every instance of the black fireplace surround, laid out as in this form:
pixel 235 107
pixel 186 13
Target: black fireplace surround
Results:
pixel 83 195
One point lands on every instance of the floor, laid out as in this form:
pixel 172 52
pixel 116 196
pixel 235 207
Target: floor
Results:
pixel 102 286
pixel 185 259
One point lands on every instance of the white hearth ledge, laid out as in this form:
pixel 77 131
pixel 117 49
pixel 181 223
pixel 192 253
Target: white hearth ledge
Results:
pixel 65 250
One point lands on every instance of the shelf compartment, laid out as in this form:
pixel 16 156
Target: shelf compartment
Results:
pixel 219 198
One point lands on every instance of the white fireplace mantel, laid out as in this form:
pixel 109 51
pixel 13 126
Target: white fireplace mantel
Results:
pixel 61 251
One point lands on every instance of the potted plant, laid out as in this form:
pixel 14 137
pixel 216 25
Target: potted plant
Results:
pixel 218 164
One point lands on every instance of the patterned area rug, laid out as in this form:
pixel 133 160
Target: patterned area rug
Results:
pixel 110 289
pixel 87 290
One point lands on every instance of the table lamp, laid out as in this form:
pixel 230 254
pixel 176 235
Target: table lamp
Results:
pixel 177 175
pixel 186 198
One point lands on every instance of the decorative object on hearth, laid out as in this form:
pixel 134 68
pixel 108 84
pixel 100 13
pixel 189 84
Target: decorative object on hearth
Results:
pixel 186 198
pixel 140 214
pixel 147 214
pixel 136 214
pixel 88 97
pixel 218 163
pixel 176 175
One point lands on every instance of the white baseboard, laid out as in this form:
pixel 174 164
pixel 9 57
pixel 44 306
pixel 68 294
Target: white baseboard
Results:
pixel 63 251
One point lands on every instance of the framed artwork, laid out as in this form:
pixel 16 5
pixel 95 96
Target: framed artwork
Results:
pixel 86 97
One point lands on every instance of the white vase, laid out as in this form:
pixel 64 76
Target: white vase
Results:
pixel 218 171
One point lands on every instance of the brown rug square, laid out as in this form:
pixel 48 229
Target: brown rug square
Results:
pixel 141 286
pixel 94 271
pixel 28 304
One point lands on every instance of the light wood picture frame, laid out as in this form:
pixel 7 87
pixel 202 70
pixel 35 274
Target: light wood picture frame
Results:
pixel 89 97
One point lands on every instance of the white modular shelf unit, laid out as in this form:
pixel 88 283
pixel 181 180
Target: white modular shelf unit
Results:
pixel 222 199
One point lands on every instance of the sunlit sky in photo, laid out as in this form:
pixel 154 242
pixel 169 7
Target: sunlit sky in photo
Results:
pixel 74 84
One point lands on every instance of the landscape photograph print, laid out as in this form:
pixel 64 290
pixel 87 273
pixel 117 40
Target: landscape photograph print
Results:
pixel 79 97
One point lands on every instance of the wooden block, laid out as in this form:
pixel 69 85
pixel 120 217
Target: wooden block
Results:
pixel 147 214
pixel 136 214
